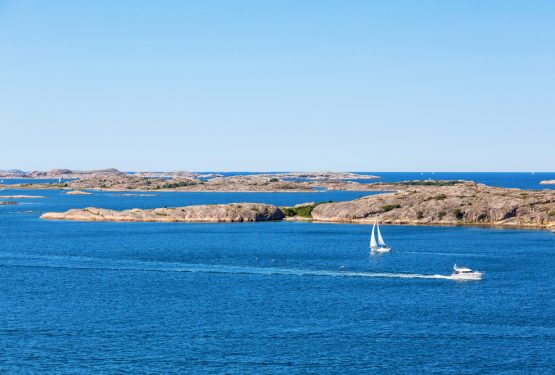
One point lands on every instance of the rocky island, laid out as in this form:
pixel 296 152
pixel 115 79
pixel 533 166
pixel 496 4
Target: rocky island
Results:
pixel 446 203
pixel 114 180
pixel 547 182
pixel 408 203
pixel 214 213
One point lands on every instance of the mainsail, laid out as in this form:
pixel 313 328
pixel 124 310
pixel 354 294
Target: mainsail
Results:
pixel 373 243
pixel 380 238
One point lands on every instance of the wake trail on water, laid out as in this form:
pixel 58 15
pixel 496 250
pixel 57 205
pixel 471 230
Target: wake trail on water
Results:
pixel 84 263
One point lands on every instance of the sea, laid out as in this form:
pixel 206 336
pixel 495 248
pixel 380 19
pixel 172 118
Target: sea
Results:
pixel 270 298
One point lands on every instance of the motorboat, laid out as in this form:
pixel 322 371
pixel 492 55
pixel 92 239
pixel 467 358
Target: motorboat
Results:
pixel 465 273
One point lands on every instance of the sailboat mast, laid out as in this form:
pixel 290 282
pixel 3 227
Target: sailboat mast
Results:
pixel 373 243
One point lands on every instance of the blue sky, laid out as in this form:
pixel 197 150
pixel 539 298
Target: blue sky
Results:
pixel 278 85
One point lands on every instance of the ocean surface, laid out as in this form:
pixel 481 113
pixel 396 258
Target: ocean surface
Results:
pixel 267 297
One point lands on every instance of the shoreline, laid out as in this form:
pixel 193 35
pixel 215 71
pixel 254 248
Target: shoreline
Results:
pixel 313 221
pixel 449 203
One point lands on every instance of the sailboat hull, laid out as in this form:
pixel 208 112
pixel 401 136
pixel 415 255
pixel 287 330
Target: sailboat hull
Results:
pixel 381 249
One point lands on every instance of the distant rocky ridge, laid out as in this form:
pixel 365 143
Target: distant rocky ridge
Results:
pixel 246 183
pixel 69 173
pixel 410 203
pixel 548 182
pixel 59 173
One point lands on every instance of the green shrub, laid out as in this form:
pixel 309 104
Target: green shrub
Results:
pixel 441 214
pixel 389 207
pixel 419 215
pixel 482 217
pixel 440 197
pixel 274 180
pixel 173 185
pixel 459 214
pixel 551 213
pixel 302 211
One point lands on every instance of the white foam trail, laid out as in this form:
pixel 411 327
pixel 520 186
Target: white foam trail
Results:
pixel 122 265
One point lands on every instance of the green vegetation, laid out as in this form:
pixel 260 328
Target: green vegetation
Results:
pixel 459 214
pixel 389 207
pixel 419 215
pixel 274 180
pixel 301 211
pixel 551 214
pixel 441 214
pixel 178 184
pixel 482 217
pixel 440 197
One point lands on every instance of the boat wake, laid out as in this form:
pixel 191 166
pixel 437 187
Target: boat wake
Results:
pixel 20 260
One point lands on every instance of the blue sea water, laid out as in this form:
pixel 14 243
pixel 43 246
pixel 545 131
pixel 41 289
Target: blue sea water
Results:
pixel 266 297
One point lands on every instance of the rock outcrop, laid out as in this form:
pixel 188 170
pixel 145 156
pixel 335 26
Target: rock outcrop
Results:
pixel 228 213
pixel 21 196
pixel 77 192
pixel 547 182
pixel 454 203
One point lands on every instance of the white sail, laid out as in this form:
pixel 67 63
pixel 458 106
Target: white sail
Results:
pixel 380 238
pixel 373 243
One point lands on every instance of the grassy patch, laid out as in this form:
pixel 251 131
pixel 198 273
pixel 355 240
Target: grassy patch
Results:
pixel 441 214
pixel 389 207
pixel 440 197
pixel 551 214
pixel 302 211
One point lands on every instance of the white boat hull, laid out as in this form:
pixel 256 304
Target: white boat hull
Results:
pixel 467 276
pixel 380 249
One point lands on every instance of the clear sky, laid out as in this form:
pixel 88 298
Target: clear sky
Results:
pixel 278 85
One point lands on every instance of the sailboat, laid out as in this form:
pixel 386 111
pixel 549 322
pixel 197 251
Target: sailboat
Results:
pixel 378 246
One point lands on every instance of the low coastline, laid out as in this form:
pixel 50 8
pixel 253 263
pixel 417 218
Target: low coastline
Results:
pixel 451 203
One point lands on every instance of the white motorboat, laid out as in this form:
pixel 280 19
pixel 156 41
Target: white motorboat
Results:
pixel 465 273
pixel 378 246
